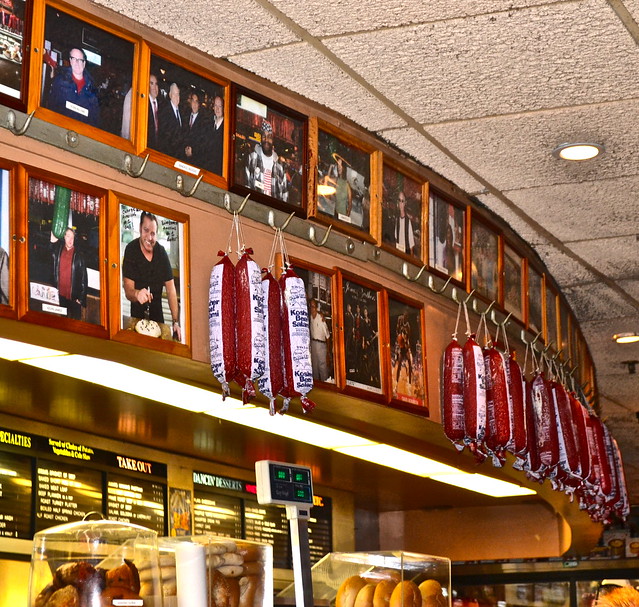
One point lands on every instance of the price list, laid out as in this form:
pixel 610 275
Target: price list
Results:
pixel 320 534
pixel 217 514
pixel 65 493
pixel 15 492
pixel 268 524
pixel 138 501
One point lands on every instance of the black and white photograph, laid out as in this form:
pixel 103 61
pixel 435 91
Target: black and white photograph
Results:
pixel 361 336
pixel 484 257
pixel 87 73
pixel 186 117
pixel 402 223
pixel 446 226
pixel 152 254
pixel 269 151
pixel 64 247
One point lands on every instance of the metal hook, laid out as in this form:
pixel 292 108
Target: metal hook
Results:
pixel 407 276
pixel 227 204
pixel 271 220
pixel 311 236
pixel 529 343
pixel 488 309
pixel 503 323
pixel 547 347
pixel 431 285
pixel 128 166
pixel 11 123
pixel 456 299
pixel 179 184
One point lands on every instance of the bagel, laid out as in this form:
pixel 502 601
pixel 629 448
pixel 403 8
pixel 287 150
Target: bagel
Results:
pixel 406 594
pixel 348 590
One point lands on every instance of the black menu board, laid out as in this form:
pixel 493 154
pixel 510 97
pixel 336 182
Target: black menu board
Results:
pixel 320 529
pixel 15 495
pixel 217 514
pixel 268 524
pixel 65 493
pixel 136 500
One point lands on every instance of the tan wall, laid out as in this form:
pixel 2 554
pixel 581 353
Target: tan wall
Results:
pixel 498 532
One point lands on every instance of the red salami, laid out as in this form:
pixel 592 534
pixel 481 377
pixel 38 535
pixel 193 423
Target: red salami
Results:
pixel 497 404
pixel 533 464
pixel 452 390
pixel 222 322
pixel 516 388
pixel 545 424
pixel 272 382
pixel 569 455
pixel 474 394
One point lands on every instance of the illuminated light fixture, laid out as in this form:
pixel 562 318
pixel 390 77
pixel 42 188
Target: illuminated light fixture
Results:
pixel 626 338
pixel 578 151
pixel 190 398
pixel 17 350
pixel 325 190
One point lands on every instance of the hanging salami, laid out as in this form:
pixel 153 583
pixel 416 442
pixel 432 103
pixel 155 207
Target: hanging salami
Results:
pixel 516 387
pixel 498 404
pixel 452 390
pixel 474 395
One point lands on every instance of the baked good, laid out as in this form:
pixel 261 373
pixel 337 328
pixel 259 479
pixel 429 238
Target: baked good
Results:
pixel 248 587
pixel 348 590
pixel 432 594
pixel 75 573
pixel 364 597
pixel 225 592
pixel 148 327
pixel 383 592
pixel 65 597
pixel 124 576
pixel 406 594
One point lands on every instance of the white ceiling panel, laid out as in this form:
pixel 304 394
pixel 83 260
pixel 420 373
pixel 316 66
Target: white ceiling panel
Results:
pixel 359 15
pixel 421 149
pixel 564 269
pixel 597 301
pixel 616 257
pixel 245 25
pixel 541 57
pixel 302 69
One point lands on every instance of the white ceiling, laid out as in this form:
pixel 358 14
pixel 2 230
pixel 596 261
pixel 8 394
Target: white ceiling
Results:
pixel 480 91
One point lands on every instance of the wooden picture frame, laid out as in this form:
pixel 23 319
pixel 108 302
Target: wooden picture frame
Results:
pixel 484 259
pixel 361 320
pixel 137 228
pixel 514 281
pixel 346 184
pixel 66 283
pixel 320 287
pixel 15 44
pixel 184 118
pixel 535 307
pixel 9 222
pixel 446 237
pixel 75 42
pixel 403 218
pixel 270 151
pixel 564 330
pixel 405 353
pixel 551 331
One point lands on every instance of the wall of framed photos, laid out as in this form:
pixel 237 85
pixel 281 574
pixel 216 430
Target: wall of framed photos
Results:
pixel 372 330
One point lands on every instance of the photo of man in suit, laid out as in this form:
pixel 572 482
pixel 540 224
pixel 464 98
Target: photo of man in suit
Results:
pixel 197 141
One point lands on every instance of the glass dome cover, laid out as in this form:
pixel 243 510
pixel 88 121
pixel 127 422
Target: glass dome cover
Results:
pixel 95 563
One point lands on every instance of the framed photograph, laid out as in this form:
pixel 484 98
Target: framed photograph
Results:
pixel 15 35
pixel 153 307
pixel 7 261
pixel 407 353
pixel 66 246
pixel 403 217
pixel 346 174
pixel 484 260
pixel 269 151
pixel 186 117
pixel 513 273
pixel 87 73
pixel 360 319
pixel 446 237
pixel 180 512
pixel 535 300
pixel 319 294
pixel 564 330
pixel 552 326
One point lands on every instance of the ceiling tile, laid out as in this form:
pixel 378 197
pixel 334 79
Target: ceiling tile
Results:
pixel 413 143
pixel 360 15
pixel 633 8
pixel 616 257
pixel 501 63
pixel 597 301
pixel 632 288
pixel 246 24
pixel 566 270
pixel 302 69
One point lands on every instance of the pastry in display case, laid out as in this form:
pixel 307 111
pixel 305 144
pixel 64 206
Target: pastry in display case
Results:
pixel 378 579
pixel 95 563
pixel 212 571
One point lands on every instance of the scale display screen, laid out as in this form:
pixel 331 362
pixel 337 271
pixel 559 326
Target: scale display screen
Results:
pixel 284 484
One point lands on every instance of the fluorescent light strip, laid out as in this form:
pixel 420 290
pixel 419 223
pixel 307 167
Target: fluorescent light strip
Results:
pixel 161 389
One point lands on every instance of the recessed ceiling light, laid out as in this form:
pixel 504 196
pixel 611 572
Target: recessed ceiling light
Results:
pixel 626 338
pixel 578 151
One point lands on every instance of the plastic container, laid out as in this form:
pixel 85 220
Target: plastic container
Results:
pixel 338 577
pixel 95 563
pixel 213 571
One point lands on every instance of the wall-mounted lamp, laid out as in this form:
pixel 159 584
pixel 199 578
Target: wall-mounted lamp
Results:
pixel 626 338
pixel 578 151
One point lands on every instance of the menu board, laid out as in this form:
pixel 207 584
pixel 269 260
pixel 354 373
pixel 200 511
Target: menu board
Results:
pixel 65 493
pixel 320 529
pixel 15 492
pixel 268 524
pixel 217 514
pixel 136 500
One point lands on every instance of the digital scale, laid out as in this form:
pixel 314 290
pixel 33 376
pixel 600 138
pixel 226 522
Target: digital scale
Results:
pixel 291 485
